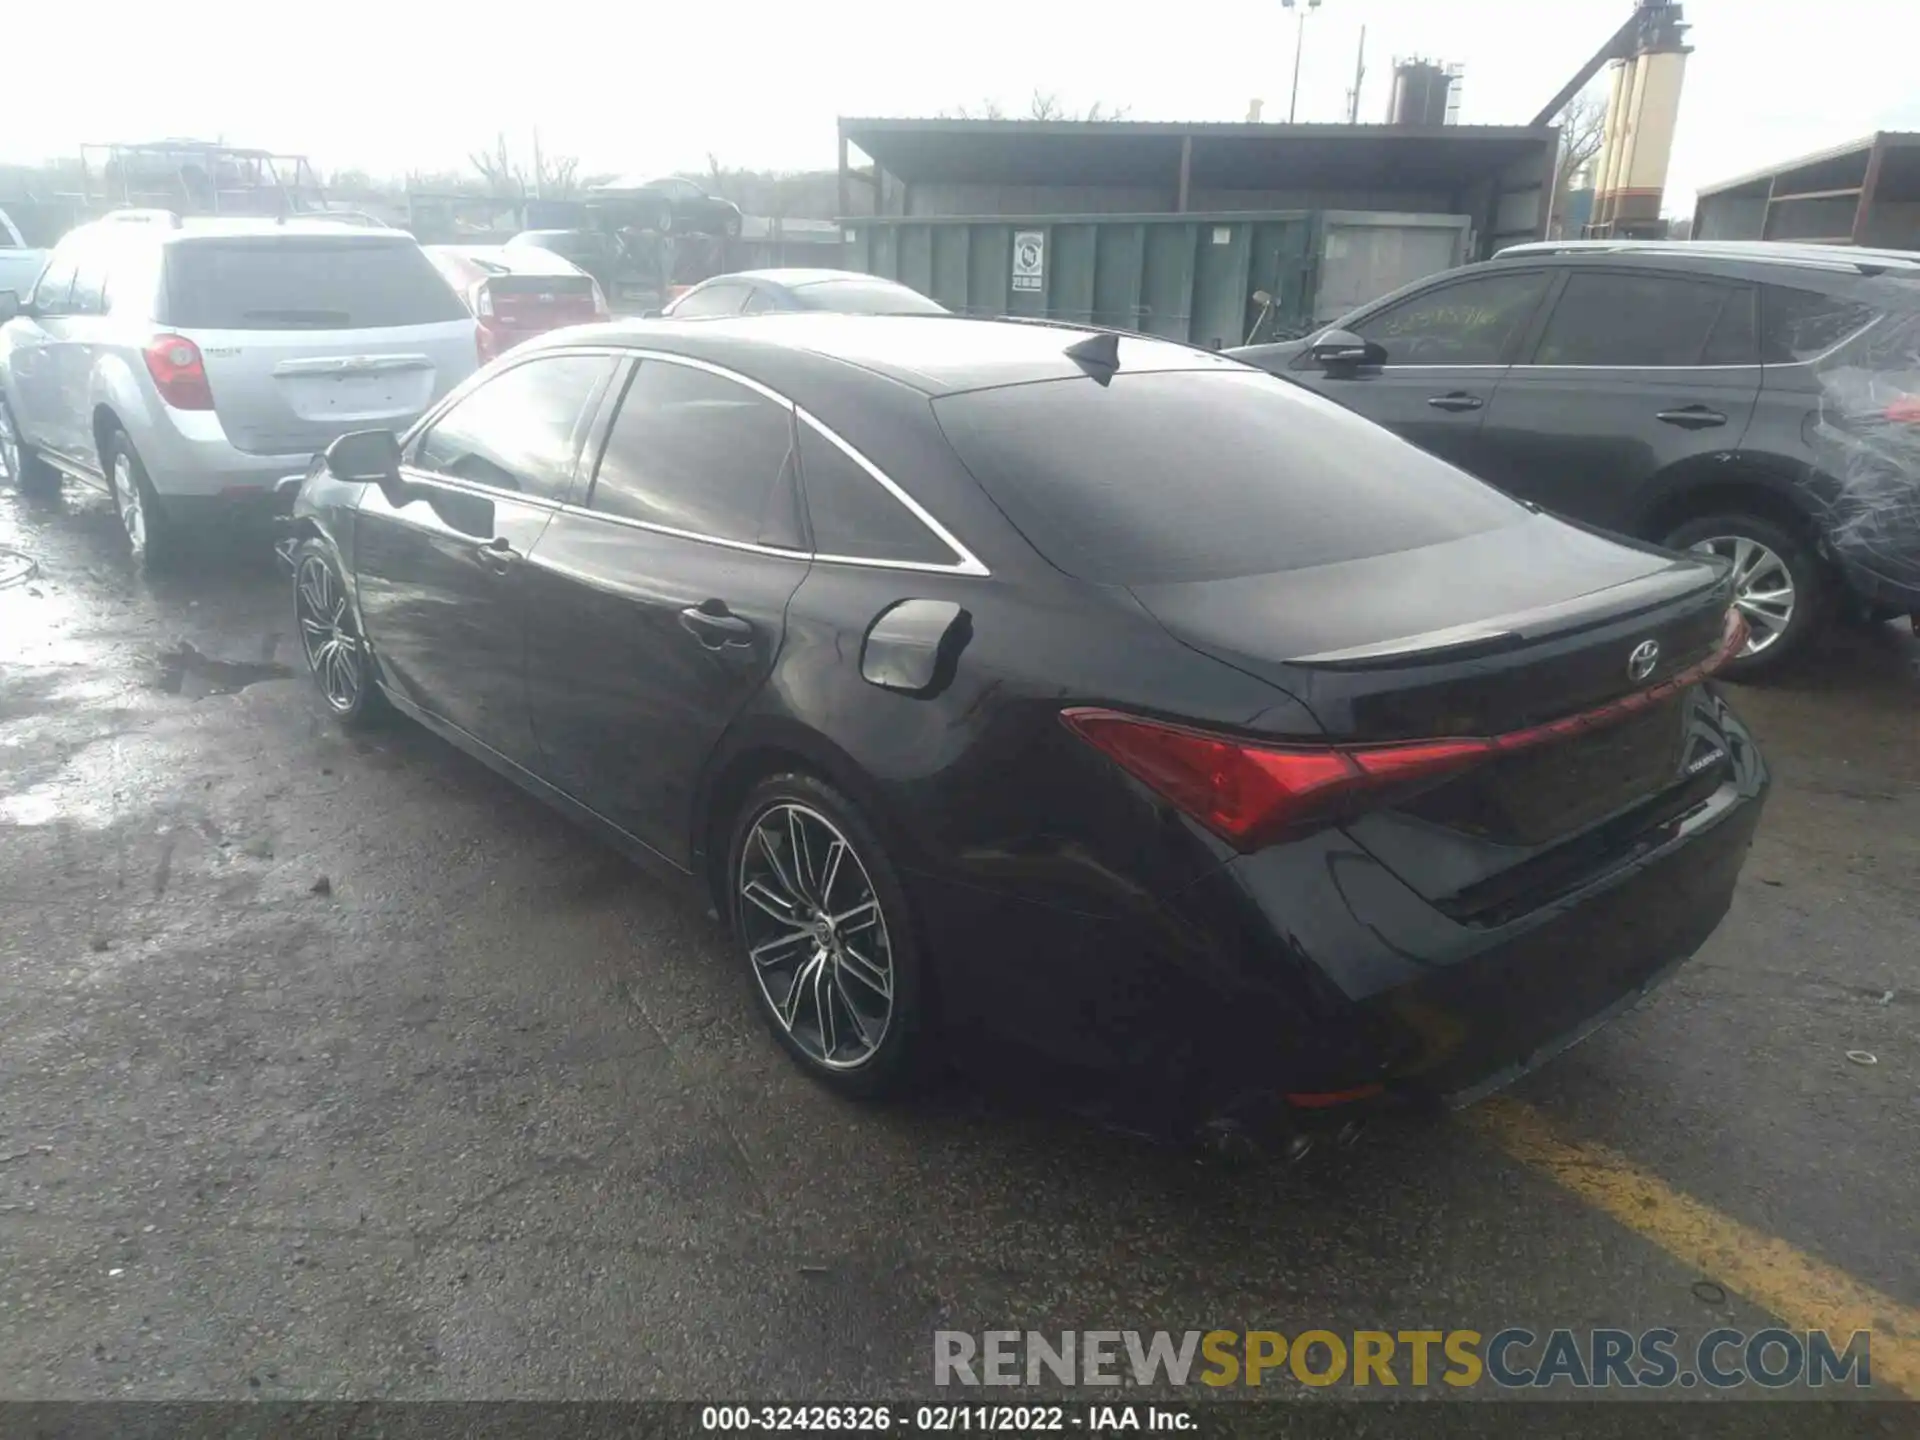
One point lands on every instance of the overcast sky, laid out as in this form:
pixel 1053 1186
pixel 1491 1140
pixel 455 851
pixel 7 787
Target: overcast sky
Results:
pixel 636 85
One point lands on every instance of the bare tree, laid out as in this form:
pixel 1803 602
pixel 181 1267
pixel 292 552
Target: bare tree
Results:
pixel 985 110
pixel 557 176
pixel 1583 130
pixel 1042 105
pixel 553 177
pixel 496 168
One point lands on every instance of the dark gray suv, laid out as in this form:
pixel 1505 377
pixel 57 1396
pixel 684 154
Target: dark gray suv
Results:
pixel 1761 401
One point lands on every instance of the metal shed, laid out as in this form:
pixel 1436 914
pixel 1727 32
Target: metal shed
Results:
pixel 1866 192
pixel 1169 228
pixel 1496 175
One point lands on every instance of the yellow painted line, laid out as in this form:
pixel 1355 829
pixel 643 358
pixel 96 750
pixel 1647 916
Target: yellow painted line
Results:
pixel 1804 1293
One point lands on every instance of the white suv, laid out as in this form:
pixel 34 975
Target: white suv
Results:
pixel 188 365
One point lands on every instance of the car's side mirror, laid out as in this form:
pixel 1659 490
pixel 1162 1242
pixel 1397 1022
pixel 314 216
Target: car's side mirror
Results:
pixel 365 457
pixel 1336 350
pixel 10 305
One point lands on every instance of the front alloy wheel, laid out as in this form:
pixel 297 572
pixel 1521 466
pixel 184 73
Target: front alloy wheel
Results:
pixel 1763 588
pixel 816 935
pixel 327 635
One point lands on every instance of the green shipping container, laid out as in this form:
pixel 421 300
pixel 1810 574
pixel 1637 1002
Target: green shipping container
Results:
pixel 1185 277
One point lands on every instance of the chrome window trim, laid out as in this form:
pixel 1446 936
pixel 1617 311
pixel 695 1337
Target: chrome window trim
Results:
pixel 420 476
pixel 966 563
pixel 750 546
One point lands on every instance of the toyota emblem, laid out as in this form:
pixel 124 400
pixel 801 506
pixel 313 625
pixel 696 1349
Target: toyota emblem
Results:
pixel 1645 656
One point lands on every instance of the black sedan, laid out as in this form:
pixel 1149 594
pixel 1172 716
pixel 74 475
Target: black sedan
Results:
pixel 761 292
pixel 1017 691
pixel 682 206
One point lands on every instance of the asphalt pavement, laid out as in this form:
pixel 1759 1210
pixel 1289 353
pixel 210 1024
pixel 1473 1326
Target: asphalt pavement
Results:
pixel 335 1067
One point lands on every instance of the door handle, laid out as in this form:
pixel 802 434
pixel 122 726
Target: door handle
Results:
pixel 1455 400
pixel 715 626
pixel 1692 417
pixel 498 555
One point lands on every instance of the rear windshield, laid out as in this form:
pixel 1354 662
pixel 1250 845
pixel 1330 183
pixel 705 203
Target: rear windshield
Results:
pixel 865 297
pixel 317 282
pixel 1163 477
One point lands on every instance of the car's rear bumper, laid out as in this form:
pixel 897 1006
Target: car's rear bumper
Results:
pixel 189 457
pixel 1303 985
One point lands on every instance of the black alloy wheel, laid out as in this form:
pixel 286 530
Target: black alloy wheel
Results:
pixel 330 639
pixel 822 923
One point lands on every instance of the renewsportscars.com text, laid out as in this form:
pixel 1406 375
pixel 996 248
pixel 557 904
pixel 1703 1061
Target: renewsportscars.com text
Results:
pixel 1514 1358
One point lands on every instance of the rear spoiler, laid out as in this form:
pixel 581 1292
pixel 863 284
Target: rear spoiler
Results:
pixel 1597 607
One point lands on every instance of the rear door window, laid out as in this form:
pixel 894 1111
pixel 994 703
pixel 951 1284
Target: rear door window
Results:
pixel 1164 477
pixel 1618 319
pixel 1469 322
pixel 854 516
pixel 701 454
pixel 1800 325
pixel 521 430
pixel 304 282
pixel 1736 334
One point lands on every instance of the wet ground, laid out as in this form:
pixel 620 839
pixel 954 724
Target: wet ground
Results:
pixel 337 1067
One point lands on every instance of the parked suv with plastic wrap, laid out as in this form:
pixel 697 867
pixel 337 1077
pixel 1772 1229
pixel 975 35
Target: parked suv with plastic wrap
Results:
pixel 1761 401
pixel 188 365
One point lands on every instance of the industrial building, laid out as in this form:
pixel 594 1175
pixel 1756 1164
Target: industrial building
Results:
pixel 1172 228
pixel 1863 193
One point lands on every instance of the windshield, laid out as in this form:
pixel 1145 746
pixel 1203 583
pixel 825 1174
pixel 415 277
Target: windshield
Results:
pixel 317 282
pixel 1173 476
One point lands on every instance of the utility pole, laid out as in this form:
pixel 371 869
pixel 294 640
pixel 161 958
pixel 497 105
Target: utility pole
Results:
pixel 1299 44
pixel 1359 74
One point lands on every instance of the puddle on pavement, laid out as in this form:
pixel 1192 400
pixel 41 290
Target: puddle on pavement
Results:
pixel 184 670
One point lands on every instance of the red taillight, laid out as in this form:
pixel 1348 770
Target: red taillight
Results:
pixel 178 373
pixel 1246 792
pixel 1905 410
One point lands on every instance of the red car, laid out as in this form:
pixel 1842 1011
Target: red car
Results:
pixel 519 293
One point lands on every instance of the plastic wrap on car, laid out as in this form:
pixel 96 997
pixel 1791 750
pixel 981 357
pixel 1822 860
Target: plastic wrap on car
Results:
pixel 1866 437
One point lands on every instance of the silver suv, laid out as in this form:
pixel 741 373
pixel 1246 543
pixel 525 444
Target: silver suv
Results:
pixel 187 365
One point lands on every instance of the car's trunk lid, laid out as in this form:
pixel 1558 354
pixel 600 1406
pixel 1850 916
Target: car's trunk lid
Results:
pixel 283 393
pixel 1486 637
pixel 1480 635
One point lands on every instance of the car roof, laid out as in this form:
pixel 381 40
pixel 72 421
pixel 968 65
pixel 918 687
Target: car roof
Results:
pixel 935 354
pixel 797 277
pixel 1839 259
pixel 195 227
